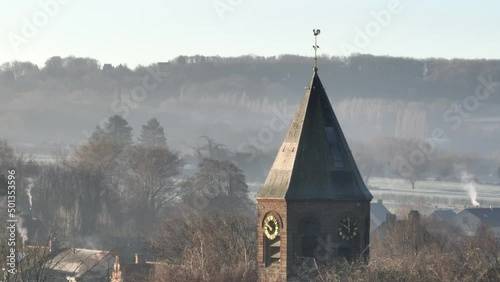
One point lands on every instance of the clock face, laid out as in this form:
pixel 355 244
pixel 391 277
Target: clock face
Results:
pixel 271 227
pixel 348 228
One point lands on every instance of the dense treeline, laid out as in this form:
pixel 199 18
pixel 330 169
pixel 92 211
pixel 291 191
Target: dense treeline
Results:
pixel 237 99
pixel 357 75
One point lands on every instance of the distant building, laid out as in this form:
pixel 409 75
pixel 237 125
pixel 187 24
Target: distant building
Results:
pixel 378 214
pixel 442 215
pixel 469 220
pixel 83 265
pixel 73 264
pixel 392 226
pixel 107 67
pixel 162 66
pixel 130 272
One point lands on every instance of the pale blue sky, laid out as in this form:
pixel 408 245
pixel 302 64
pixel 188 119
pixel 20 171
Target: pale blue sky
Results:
pixel 142 32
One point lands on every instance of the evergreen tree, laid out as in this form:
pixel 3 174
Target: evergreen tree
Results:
pixel 152 134
pixel 117 129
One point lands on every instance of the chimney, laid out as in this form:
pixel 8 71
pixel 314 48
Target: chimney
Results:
pixel 380 201
pixel 390 218
pixel 53 245
pixel 116 275
pixel 117 263
pixel 414 215
pixel 139 258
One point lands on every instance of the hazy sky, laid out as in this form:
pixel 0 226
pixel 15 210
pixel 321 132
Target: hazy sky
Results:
pixel 147 31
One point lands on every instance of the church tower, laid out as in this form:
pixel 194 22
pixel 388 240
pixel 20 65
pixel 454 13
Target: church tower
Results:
pixel 314 205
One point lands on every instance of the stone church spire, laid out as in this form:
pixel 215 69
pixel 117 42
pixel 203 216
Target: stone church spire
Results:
pixel 313 194
pixel 314 161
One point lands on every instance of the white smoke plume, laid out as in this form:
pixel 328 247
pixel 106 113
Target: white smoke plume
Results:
pixel 29 186
pixel 469 186
pixel 23 231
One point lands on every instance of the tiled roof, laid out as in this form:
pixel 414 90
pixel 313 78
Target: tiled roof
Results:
pixel 445 214
pixel 490 216
pixel 83 264
pixel 378 215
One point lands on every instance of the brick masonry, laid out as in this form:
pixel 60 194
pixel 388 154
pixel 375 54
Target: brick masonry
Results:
pixel 328 213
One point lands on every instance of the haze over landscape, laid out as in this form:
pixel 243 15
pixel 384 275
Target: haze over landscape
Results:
pixel 146 130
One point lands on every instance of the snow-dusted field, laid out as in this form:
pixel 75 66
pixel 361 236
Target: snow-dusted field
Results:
pixel 397 194
pixel 429 194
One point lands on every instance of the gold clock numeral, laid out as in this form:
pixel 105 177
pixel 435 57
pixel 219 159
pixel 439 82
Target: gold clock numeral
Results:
pixel 271 227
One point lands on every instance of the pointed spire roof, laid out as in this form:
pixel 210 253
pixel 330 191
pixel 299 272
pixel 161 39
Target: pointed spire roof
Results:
pixel 314 162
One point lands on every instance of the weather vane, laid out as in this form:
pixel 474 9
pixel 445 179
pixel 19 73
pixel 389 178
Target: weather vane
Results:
pixel 316 47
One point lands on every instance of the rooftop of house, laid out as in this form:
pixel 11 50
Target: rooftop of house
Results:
pixel 445 214
pixel 82 264
pixel 378 214
pixel 490 216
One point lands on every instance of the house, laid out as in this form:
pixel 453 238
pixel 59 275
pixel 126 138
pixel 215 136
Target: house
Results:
pixel 83 265
pixel 378 214
pixel 130 272
pixel 470 219
pixel 72 264
pixel 394 228
pixel 51 263
pixel 442 215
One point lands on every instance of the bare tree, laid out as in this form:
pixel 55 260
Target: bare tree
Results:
pixel 151 179
pixel 365 159
pixel 78 200
pixel 103 155
pixel 211 150
pixel 409 160
pixel 222 183
pixel 215 246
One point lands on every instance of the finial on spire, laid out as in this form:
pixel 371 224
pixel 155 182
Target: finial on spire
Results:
pixel 316 47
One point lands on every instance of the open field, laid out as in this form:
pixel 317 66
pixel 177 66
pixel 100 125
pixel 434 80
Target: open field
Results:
pixel 398 195
pixel 429 194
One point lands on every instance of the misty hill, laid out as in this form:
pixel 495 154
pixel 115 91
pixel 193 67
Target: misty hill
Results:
pixel 236 99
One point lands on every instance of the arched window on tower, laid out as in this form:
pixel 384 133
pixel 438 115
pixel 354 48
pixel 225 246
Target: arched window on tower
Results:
pixel 309 230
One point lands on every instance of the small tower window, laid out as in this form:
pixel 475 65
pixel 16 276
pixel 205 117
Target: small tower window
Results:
pixel 309 230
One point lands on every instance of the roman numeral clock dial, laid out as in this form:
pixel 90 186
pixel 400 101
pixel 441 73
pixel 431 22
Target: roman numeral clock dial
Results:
pixel 271 227
pixel 348 228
